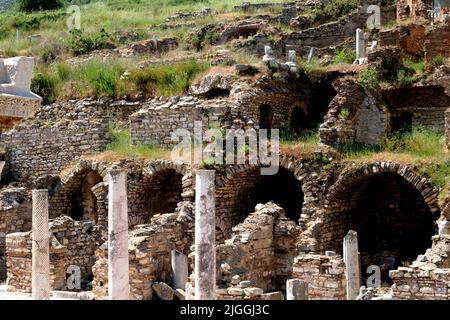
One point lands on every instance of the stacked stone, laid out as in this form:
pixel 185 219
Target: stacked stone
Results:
pixel 72 243
pixel 428 277
pixel 325 276
pixel 251 245
pixel 154 124
pixel 149 251
pixel 61 133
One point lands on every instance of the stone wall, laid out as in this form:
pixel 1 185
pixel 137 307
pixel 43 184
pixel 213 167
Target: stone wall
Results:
pixel 249 253
pixel 353 116
pixel 325 276
pixel 417 106
pixel 150 249
pixel 437 42
pixel 155 123
pixel 428 277
pixel 59 134
pixel 71 243
pixel 414 9
pixel 15 216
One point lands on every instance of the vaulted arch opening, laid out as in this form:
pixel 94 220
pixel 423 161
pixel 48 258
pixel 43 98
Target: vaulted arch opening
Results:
pixel 240 194
pixel 393 221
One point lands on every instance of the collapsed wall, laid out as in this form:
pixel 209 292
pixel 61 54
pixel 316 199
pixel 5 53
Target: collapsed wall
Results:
pixel 15 208
pixel 150 249
pixel 428 277
pixel 72 243
pixel 353 116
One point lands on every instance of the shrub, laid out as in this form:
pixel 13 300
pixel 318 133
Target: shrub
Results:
pixel 418 66
pixel 344 114
pixel 312 69
pixel 80 43
pixel 48 55
pixel 405 78
pixel 38 5
pixel 368 79
pixel 344 56
pixel 45 86
pixel 339 8
pixel 102 78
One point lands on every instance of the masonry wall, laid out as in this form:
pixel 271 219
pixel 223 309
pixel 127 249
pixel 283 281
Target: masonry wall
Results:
pixel 428 277
pixel 325 276
pixel 59 134
pixel 15 216
pixel 150 247
pixel 71 243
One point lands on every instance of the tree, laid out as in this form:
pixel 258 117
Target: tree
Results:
pixel 36 5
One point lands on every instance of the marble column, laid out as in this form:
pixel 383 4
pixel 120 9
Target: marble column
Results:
pixel 360 44
pixel 296 289
pixel 40 270
pixel 179 270
pixel 205 235
pixel 118 260
pixel 351 260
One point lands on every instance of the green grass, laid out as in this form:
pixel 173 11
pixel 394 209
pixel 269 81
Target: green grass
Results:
pixel 344 56
pixel 120 146
pixel 97 78
pixel 298 145
pixel 424 147
pixel 313 69
pixel 415 145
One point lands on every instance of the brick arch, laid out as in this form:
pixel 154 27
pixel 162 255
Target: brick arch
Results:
pixel 423 184
pixel 241 187
pixel 157 189
pixel 79 191
pixel 392 207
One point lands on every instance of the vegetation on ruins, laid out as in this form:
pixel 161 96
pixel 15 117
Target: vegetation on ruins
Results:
pixel 121 147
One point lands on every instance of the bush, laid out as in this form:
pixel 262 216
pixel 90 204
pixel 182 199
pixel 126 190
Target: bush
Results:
pixel 48 55
pixel 344 56
pixel 103 78
pixel 339 8
pixel 38 5
pixel 368 79
pixel 80 43
pixel 45 86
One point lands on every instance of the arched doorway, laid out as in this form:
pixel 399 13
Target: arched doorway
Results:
pixel 83 200
pixel 393 221
pixel 157 193
pixel 240 194
pixel 299 120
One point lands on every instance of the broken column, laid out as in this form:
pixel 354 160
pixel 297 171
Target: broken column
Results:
pixel 118 278
pixel 296 289
pixel 311 54
pixel 205 235
pixel 40 270
pixel 351 260
pixel 360 45
pixel 179 270
pixel 291 63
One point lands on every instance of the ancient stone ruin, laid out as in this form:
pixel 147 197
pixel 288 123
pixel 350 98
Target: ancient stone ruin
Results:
pixel 75 223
